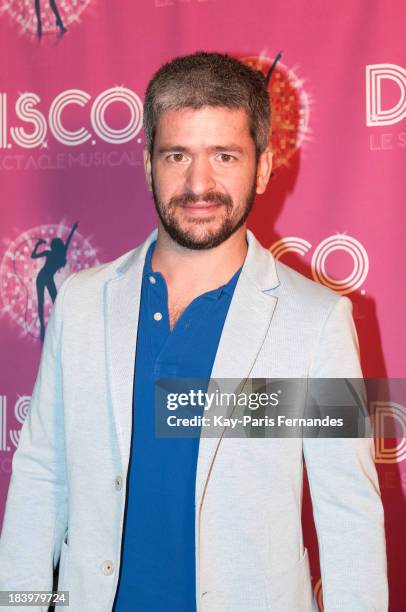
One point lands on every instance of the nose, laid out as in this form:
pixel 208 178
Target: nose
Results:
pixel 200 177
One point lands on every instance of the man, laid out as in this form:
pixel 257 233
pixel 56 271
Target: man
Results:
pixel 212 525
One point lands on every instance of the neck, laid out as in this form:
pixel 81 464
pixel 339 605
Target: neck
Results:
pixel 198 270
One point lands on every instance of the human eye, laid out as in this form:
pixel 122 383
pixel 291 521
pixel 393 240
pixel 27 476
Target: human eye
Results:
pixel 227 157
pixel 176 157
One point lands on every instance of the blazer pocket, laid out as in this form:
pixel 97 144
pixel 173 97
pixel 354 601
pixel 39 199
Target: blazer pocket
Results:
pixel 291 589
pixel 63 563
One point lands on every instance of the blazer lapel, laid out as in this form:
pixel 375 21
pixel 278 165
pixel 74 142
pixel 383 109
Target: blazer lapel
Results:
pixel 122 301
pixel 244 332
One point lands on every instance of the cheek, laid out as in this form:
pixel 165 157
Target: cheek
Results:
pixel 169 181
pixel 231 182
pixel 241 187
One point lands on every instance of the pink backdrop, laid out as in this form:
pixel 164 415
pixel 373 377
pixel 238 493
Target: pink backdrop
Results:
pixel 71 150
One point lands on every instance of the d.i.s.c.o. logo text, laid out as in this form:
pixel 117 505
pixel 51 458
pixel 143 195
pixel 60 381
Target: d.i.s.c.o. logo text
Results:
pixel 385 99
pixel 76 128
pixel 73 129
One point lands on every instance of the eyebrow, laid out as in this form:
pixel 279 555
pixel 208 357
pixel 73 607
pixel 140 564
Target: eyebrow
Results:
pixel 231 147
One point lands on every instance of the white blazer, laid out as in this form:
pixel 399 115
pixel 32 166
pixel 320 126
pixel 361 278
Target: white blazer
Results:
pixel 68 486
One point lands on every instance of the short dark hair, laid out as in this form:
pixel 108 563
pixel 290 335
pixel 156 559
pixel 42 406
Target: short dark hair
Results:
pixel 209 79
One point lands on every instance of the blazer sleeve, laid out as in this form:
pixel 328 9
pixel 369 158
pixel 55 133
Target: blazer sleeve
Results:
pixel 344 487
pixel 35 519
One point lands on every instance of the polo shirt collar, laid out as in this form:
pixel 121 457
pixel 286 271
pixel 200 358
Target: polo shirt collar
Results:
pixel 228 287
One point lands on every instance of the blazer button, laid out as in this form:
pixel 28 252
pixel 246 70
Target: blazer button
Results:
pixel 118 483
pixel 108 568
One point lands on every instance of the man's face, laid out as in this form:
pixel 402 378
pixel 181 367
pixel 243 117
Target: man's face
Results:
pixel 203 174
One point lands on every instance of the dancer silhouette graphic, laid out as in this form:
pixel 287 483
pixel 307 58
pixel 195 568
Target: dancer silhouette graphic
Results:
pixel 55 260
pixel 54 8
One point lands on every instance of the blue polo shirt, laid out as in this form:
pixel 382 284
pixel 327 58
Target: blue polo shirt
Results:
pixel 158 551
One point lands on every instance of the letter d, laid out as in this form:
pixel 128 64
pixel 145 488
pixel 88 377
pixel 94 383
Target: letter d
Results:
pixel 375 113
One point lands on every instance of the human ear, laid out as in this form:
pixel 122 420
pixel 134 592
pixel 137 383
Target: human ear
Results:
pixel 147 167
pixel 264 168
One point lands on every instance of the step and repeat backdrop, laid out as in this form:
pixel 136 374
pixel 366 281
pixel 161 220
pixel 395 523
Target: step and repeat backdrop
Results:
pixel 73 75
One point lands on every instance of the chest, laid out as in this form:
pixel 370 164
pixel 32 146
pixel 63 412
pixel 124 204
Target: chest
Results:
pixel 177 304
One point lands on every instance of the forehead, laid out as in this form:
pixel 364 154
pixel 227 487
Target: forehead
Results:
pixel 206 124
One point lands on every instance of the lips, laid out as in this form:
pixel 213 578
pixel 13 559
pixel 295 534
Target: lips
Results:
pixel 202 205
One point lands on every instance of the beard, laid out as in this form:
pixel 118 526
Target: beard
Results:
pixel 210 238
